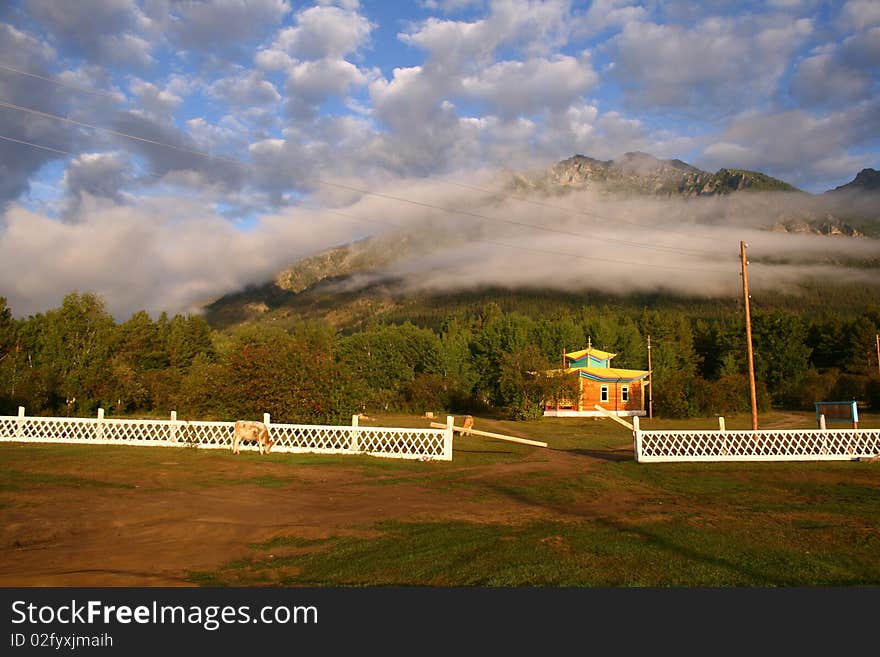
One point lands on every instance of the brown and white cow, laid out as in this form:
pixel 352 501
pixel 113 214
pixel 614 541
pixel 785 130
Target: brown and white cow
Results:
pixel 246 430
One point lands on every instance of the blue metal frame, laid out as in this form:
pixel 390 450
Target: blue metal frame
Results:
pixel 854 412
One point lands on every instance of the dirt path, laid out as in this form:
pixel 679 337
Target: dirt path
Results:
pixel 171 521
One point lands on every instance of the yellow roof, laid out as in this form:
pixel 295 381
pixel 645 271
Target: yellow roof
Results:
pixel 595 353
pixel 604 372
pixel 612 373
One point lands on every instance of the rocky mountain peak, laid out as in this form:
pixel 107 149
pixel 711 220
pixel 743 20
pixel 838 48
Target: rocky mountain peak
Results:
pixel 865 180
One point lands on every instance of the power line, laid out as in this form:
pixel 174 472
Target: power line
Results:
pixel 76 87
pixel 492 242
pixel 537 250
pixel 66 153
pixel 45 148
pixel 116 133
pixel 450 182
pixel 513 222
pixel 591 237
pixel 571 211
pixel 321 181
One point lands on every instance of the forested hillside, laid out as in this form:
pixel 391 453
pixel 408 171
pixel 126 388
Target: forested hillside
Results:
pixel 477 354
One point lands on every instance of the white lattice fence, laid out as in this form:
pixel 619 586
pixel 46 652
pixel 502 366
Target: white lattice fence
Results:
pixel 404 443
pixel 783 445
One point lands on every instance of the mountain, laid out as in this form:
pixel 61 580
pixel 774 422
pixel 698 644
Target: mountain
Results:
pixel 319 281
pixel 641 173
pixel 353 283
pixel 867 180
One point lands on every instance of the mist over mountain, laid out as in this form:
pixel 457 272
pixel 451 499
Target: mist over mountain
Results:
pixel 629 226
pixel 641 173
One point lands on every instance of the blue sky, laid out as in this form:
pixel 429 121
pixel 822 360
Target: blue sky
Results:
pixel 296 94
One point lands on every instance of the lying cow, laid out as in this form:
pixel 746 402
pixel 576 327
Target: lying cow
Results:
pixel 246 430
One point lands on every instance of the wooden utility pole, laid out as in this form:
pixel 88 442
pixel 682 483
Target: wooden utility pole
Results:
pixel 745 277
pixel 650 382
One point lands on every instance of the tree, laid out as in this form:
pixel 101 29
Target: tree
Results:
pixel 187 337
pixel 782 357
pixel 456 365
pixel 619 334
pixel 861 343
pixel 268 371
pixel 525 382
pixel 500 336
pixel 674 361
pixel 11 361
pixel 74 346
pixel 555 336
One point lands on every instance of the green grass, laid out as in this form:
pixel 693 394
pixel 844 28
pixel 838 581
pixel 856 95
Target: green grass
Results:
pixel 686 524
pixel 611 522
pixel 599 553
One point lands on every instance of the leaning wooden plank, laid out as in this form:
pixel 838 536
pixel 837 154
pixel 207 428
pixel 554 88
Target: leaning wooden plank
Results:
pixel 614 417
pixel 488 434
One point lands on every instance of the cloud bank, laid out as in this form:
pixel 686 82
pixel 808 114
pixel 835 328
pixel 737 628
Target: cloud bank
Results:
pixel 245 111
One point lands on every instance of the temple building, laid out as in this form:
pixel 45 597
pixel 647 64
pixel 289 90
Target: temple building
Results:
pixel 618 391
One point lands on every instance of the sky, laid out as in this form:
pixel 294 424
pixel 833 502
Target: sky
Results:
pixel 164 152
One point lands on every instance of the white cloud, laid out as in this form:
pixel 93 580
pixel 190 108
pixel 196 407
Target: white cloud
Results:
pixel 720 63
pixel 19 162
pixel 605 14
pixel 510 88
pixel 105 31
pixel 451 6
pixel 271 59
pixel 311 83
pixel 155 102
pixel 795 145
pixel 824 78
pixel 533 28
pixel 221 24
pixel 167 149
pixel 245 89
pixel 159 254
pixel 860 14
pixel 96 175
pixel 324 32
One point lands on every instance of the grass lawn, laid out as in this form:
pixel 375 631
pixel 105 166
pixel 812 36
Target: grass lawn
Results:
pixel 678 524
pixel 580 513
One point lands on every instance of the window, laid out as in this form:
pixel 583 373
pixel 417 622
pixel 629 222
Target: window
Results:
pixel 624 394
pixel 604 394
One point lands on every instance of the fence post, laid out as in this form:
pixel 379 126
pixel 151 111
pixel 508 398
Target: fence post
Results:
pixel 99 432
pixel 823 429
pixel 637 439
pixel 19 423
pixel 447 439
pixel 173 426
pixel 267 420
pixel 722 427
pixel 354 445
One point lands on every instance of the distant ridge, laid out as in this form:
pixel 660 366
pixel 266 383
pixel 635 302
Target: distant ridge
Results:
pixel 351 282
pixel 866 180
pixel 642 173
